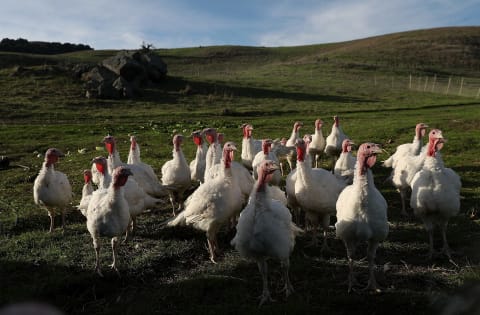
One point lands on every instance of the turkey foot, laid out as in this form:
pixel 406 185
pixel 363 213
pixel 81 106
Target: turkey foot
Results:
pixel 265 297
pixel 114 267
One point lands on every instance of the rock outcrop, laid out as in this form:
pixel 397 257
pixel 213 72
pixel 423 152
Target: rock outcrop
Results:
pixel 123 75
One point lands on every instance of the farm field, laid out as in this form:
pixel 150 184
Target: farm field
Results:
pixel 167 270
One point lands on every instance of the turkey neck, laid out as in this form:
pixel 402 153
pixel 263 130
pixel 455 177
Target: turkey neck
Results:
pixel 105 179
pixel 417 142
pixel 247 147
pixel 262 181
pixel 116 195
pixel 295 135
pixel 227 160
pixel 134 155
pixel 113 160
pixel 201 150
pixel 178 154
pixel 433 163
pixel 363 181
pixel 304 172
pixel 47 169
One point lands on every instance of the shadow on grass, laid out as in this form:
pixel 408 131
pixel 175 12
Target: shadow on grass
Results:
pixel 178 86
pixel 177 278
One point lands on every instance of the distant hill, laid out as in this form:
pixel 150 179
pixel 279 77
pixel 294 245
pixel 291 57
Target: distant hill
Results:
pixel 447 50
pixel 454 50
pixel 43 48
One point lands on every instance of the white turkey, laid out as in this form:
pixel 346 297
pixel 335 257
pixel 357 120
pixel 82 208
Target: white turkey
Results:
pixel 406 162
pixel 413 148
pixel 250 146
pixel 290 183
pixel 51 189
pixel 197 165
pixel 134 158
pixel 138 200
pixel 108 215
pixel 214 151
pixel 265 230
pixel 333 146
pixel 176 174
pixel 362 213
pixel 436 192
pixel 290 144
pixel 87 191
pixel 242 176
pixel 316 192
pixel 267 154
pixel 317 146
pixel 134 153
pixel 345 165
pixel 213 204
pixel 143 173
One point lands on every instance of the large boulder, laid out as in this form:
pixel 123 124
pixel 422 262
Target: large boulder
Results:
pixel 125 89
pixel 126 65
pixel 123 75
pixel 156 68
pixel 99 83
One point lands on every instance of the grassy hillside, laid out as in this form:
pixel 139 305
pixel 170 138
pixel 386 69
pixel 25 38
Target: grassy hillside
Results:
pixel 365 82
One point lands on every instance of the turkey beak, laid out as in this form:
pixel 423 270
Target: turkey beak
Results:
pixel 377 149
pixel 274 167
pixel 299 142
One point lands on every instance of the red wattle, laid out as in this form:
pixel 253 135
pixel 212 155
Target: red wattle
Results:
pixel 110 147
pixel 197 140
pixel 100 168
pixel 300 154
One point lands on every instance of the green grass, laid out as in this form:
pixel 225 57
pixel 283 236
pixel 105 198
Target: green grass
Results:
pixel 167 270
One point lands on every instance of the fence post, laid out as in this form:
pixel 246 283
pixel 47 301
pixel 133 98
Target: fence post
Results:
pixel 375 80
pixel 461 87
pixel 448 86
pixel 410 82
pixel 426 83
pixel 478 93
pixel 434 81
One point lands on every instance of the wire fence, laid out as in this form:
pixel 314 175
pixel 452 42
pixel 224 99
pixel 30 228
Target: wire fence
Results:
pixel 447 85
pixel 440 84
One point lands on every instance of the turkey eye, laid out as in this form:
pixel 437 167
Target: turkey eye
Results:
pixel 368 147
pixel 433 132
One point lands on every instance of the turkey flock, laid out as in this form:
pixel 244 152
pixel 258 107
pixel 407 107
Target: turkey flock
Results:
pixel 266 205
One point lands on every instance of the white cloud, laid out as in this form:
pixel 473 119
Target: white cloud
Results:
pixel 346 20
pixel 120 24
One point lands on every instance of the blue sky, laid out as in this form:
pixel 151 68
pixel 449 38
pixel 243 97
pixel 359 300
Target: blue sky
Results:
pixel 125 24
